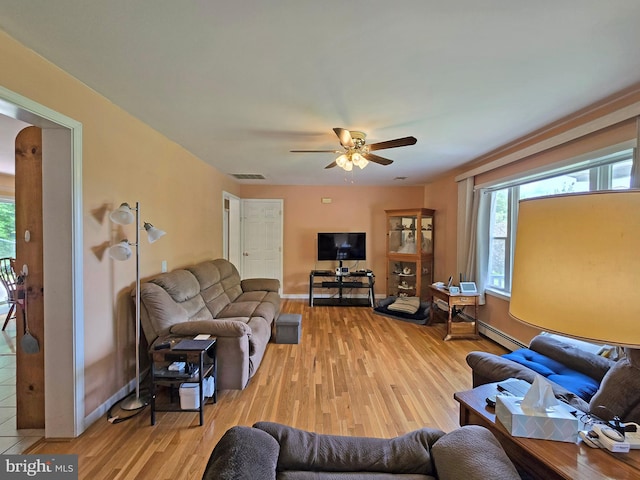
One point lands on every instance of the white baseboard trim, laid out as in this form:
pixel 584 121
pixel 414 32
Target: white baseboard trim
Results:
pixel 102 409
pixel 499 337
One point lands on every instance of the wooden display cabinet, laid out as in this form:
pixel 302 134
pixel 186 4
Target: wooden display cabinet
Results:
pixel 409 252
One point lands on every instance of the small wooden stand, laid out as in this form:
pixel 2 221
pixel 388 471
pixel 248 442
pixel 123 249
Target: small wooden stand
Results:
pixel 461 328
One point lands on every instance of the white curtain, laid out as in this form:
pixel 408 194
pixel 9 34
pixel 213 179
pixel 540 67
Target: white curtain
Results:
pixel 635 167
pixel 478 251
pixel 473 235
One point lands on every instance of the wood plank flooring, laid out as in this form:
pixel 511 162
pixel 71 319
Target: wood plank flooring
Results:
pixel 353 373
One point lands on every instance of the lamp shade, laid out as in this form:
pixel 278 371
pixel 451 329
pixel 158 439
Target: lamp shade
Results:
pixel 120 251
pixel 577 266
pixel 153 233
pixel 122 215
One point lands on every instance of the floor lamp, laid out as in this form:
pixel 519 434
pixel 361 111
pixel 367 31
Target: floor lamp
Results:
pixel 124 215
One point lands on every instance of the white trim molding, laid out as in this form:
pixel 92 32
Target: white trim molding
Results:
pixel 64 301
pixel 608 120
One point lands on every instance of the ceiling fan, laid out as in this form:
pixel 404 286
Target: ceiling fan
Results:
pixel 356 152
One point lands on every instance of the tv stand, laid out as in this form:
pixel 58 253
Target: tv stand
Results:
pixel 326 279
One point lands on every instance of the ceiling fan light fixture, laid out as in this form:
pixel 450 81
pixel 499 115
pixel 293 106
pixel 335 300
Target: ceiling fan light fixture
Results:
pixel 342 160
pixel 358 152
pixel 359 160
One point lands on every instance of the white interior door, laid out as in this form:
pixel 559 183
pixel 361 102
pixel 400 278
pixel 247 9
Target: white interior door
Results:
pixel 262 233
pixel 232 239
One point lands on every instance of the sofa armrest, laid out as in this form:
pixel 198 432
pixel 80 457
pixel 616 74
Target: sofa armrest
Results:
pixel 489 368
pixel 619 392
pixel 260 284
pixel 472 453
pixel 219 328
pixel 243 452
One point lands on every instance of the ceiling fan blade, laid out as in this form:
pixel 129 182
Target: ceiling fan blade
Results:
pixel 331 165
pixel 316 151
pixel 398 142
pixel 345 137
pixel 377 159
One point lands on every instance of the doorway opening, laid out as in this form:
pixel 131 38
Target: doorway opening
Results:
pixel 63 260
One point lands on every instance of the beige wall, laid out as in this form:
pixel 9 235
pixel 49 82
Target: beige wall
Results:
pixel 123 160
pixel 352 208
pixel 442 196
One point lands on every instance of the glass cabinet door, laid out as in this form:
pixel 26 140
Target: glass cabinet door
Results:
pixel 402 234
pixel 426 235
pixel 402 279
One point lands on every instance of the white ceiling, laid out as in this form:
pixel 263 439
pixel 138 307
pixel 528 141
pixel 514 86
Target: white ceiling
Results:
pixel 240 83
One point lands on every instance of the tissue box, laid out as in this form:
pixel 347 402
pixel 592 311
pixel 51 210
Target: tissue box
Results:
pixel 560 424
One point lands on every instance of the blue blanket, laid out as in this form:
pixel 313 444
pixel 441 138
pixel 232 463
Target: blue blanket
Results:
pixel 580 384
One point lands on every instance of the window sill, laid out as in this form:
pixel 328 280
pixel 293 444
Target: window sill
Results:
pixel 498 294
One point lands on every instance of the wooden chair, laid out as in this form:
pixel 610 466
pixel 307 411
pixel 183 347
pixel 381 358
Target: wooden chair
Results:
pixel 9 281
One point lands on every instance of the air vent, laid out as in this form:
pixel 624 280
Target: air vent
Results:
pixel 400 178
pixel 248 176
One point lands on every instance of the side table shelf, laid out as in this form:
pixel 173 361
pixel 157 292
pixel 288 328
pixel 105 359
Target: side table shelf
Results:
pixel 193 353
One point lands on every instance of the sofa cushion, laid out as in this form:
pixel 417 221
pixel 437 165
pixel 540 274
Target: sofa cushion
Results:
pixel 243 453
pixel 238 309
pixel 181 285
pixel 570 355
pixel 160 311
pixel 580 384
pixel 308 451
pixel 457 456
pixel 206 273
pixel 184 289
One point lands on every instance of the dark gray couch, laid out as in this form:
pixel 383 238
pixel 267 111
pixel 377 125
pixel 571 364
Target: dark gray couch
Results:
pixel 619 382
pixel 271 451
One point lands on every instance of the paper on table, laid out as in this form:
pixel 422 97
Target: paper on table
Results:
pixel 202 336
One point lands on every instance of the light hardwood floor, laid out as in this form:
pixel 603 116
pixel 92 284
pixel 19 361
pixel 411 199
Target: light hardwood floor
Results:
pixel 353 373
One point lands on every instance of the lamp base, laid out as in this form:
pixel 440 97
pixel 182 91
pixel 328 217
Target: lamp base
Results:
pixel 134 403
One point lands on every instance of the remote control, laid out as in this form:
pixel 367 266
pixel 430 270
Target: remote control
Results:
pixel 162 346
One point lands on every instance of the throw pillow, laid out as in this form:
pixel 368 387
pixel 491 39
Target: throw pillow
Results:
pixel 405 305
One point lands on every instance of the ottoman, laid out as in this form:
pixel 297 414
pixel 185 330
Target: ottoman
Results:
pixel 288 327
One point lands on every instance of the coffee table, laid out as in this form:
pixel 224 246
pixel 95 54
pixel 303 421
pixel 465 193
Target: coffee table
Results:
pixel 545 459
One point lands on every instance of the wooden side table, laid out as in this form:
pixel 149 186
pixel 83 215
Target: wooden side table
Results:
pixel 456 329
pixel 546 459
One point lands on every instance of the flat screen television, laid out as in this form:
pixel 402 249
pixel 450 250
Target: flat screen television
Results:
pixel 342 246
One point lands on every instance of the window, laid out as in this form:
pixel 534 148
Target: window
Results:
pixel 603 174
pixel 7 235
